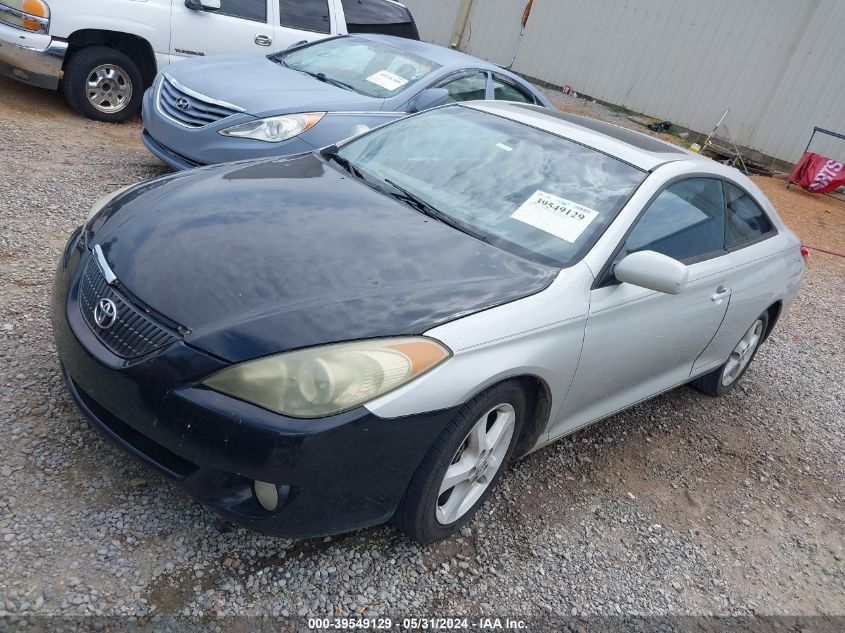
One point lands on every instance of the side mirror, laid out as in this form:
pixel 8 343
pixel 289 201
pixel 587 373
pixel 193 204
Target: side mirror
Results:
pixel 654 271
pixel 203 5
pixel 429 98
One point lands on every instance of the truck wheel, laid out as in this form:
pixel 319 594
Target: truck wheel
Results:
pixel 103 84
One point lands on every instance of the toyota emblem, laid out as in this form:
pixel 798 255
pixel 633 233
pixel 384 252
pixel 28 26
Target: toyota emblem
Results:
pixel 105 314
pixel 182 103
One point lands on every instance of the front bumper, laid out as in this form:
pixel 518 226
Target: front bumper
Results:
pixel 336 474
pixel 31 58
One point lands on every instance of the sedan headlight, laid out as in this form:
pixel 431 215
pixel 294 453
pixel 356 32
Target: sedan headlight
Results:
pixel 275 129
pixel 329 379
pixel 102 201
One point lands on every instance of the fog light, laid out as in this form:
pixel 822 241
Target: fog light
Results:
pixel 267 495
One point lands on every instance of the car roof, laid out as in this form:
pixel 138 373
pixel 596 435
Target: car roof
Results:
pixel 635 148
pixel 432 52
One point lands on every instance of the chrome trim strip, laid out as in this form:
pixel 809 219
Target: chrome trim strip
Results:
pixel 108 274
pixel 202 97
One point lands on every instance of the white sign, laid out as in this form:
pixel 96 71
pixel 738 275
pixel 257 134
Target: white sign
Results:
pixel 555 215
pixel 387 80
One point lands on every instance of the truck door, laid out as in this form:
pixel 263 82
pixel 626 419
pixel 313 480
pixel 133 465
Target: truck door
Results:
pixel 307 20
pixel 238 26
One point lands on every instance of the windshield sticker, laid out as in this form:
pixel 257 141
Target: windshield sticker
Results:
pixel 558 216
pixel 507 148
pixel 387 80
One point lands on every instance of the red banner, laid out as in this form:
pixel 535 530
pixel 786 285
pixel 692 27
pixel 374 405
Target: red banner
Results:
pixel 818 174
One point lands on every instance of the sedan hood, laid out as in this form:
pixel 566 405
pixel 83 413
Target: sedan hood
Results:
pixel 264 88
pixel 269 256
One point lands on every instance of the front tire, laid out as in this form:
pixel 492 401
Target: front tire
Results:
pixel 464 465
pixel 721 382
pixel 103 84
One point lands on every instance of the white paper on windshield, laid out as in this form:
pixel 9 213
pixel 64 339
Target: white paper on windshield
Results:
pixel 387 80
pixel 560 217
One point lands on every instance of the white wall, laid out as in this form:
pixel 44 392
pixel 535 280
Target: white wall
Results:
pixel 778 65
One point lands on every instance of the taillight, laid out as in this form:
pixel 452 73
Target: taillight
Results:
pixel 805 253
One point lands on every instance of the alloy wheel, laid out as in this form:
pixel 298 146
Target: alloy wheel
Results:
pixel 742 353
pixel 475 463
pixel 109 88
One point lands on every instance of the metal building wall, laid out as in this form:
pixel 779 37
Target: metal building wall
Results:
pixel 435 18
pixel 776 64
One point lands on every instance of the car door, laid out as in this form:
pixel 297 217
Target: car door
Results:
pixel 467 85
pixel 307 21
pixel 761 269
pixel 639 342
pixel 238 26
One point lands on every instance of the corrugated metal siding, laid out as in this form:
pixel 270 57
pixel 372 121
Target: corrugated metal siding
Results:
pixel 435 19
pixel 776 64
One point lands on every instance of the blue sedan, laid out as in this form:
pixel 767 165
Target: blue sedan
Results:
pixel 221 109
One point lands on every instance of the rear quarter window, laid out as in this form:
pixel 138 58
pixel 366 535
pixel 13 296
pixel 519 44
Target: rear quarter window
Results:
pixel 745 221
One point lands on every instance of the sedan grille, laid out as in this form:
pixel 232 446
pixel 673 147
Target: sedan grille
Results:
pixel 190 108
pixel 133 334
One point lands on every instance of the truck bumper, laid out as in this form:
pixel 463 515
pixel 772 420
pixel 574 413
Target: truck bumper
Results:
pixel 31 58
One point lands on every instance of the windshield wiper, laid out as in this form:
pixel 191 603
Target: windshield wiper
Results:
pixel 426 208
pixel 330 153
pixel 327 80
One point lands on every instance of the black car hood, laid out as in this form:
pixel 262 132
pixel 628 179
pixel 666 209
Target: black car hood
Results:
pixel 267 256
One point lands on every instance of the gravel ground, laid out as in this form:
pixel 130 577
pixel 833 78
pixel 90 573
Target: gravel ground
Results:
pixel 682 505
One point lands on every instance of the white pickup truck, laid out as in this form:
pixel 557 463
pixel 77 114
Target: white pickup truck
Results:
pixel 105 53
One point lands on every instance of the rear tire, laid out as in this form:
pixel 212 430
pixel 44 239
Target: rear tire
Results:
pixel 103 84
pixel 475 448
pixel 722 381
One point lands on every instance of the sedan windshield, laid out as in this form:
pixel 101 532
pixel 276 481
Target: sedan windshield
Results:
pixel 528 191
pixel 369 68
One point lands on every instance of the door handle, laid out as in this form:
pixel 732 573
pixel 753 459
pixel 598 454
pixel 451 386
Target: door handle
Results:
pixel 263 40
pixel 721 293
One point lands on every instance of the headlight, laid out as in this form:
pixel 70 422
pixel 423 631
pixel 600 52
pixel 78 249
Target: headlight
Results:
pixel 275 128
pixel 329 379
pixel 32 15
pixel 102 201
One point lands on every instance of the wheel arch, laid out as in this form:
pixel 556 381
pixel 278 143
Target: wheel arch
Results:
pixel 539 401
pixel 134 46
pixel 774 311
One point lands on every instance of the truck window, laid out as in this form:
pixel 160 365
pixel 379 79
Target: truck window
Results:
pixel 255 10
pixel 379 16
pixel 305 15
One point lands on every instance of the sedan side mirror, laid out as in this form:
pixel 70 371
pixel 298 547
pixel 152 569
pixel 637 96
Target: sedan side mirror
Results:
pixel 654 271
pixel 203 5
pixel 429 98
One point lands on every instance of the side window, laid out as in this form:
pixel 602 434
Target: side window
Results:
pixel 506 91
pixel 305 15
pixel 746 221
pixel 687 220
pixel 466 88
pixel 255 10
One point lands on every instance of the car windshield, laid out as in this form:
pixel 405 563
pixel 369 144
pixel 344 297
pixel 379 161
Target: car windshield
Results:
pixel 528 191
pixel 369 68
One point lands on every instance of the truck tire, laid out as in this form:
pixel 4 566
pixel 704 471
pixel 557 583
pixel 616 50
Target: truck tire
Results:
pixel 103 84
